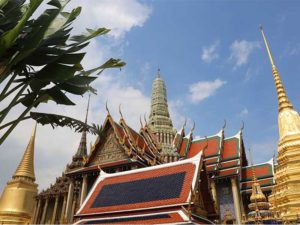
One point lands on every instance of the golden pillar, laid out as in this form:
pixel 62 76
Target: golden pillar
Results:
pixel 18 198
pixel 69 201
pixel 45 211
pixel 83 188
pixel 63 210
pixel 236 200
pixel 215 195
pixel 285 196
pixel 54 210
pixel 36 212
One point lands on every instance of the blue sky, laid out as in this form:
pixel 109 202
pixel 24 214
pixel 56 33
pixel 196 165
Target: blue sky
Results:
pixel 175 36
pixel 213 61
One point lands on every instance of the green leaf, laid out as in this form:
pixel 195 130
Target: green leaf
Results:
pixel 58 96
pixel 111 63
pixel 89 35
pixel 73 89
pixel 59 120
pixel 71 58
pixel 55 72
pixel 81 80
pixel 9 37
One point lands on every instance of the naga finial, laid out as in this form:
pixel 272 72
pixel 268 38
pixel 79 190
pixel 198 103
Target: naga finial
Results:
pixel 141 121
pixel 120 111
pixel 106 107
pixel 243 126
pixel 193 128
pixel 145 119
pixel 185 120
pixel 225 124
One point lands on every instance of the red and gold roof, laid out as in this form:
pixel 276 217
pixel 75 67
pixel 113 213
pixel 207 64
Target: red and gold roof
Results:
pixel 143 195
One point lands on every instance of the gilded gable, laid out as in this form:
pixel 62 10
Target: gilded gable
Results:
pixel 109 150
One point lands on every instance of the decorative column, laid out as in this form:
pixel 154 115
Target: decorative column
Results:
pixel 36 212
pixel 69 201
pixel 214 194
pixel 45 211
pixel 236 200
pixel 83 188
pixel 63 209
pixel 54 210
pixel 73 209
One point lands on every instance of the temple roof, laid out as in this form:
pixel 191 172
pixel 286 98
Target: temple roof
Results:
pixel 159 186
pixel 144 195
pixel 139 147
pixel 264 173
pixel 223 156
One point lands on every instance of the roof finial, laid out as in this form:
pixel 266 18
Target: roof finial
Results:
pixel 225 123
pixel 121 112
pixel 281 94
pixel 141 121
pixel 243 126
pixel 145 119
pixel 158 72
pixel 251 161
pixel 185 120
pixel 87 109
pixel 106 107
pixel 193 128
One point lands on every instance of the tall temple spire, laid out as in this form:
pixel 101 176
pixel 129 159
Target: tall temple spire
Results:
pixel 288 119
pixel 283 100
pixel 82 149
pixel 81 153
pixel 286 192
pixel 18 198
pixel 160 122
pixel 26 166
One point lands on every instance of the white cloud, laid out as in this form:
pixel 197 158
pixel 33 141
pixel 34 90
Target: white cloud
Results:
pixel 209 52
pixel 118 15
pixel 54 148
pixel 241 50
pixel 204 89
pixel 244 112
pixel 263 151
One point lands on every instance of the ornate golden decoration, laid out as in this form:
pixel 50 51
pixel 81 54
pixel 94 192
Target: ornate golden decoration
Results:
pixel 286 192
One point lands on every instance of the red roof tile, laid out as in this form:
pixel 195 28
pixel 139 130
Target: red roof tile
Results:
pixel 213 147
pixel 263 183
pixel 231 149
pixel 263 170
pixel 153 218
pixel 228 172
pixel 138 188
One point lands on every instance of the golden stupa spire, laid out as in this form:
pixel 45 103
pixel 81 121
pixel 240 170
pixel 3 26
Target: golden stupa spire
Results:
pixel 26 166
pixel 283 100
pixel 18 197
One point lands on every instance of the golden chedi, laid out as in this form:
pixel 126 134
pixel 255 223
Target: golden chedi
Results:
pixel 227 217
pixel 285 197
pixel 259 207
pixel 18 198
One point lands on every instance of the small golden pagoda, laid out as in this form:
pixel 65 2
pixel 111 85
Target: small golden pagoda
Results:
pixel 285 197
pixel 18 198
pixel 228 217
pixel 259 206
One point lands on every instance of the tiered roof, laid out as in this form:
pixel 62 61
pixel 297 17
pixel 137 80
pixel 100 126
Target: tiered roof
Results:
pixel 141 147
pixel 159 194
pixel 223 156
pixel 264 175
